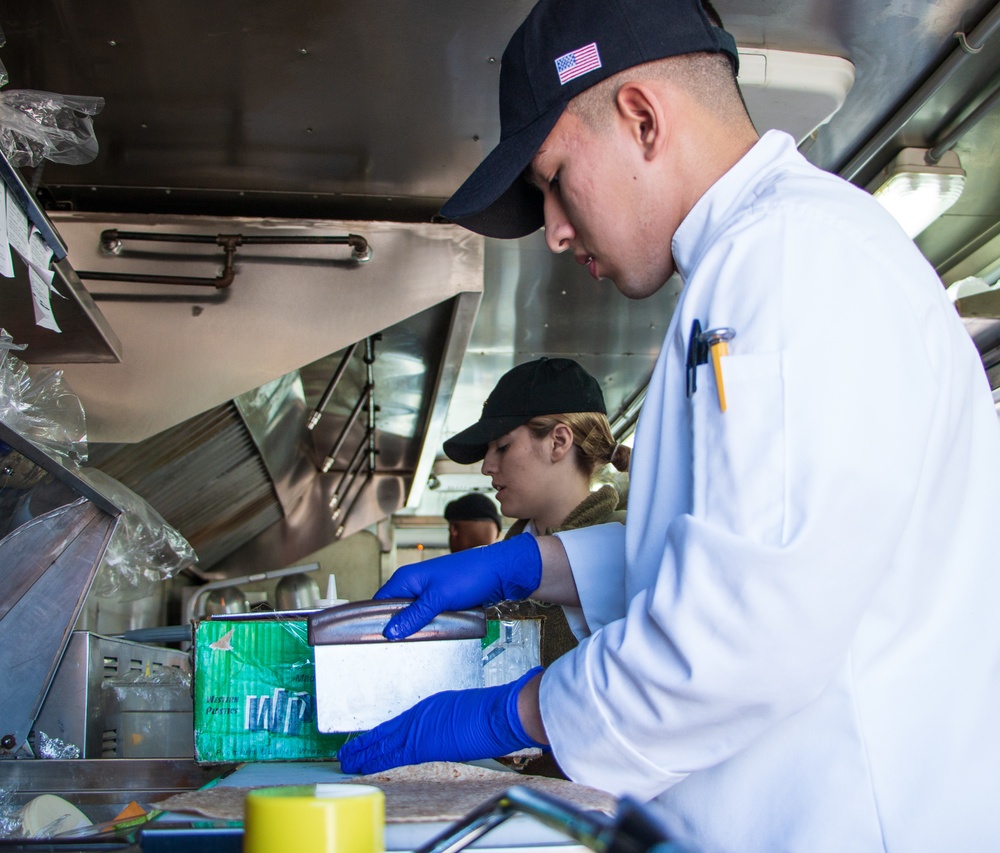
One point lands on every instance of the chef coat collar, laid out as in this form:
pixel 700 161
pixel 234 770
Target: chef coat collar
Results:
pixel 694 235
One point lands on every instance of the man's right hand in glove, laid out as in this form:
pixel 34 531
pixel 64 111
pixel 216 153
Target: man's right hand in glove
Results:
pixel 511 569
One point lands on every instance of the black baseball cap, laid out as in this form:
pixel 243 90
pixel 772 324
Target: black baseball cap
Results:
pixel 549 386
pixel 473 507
pixel 562 48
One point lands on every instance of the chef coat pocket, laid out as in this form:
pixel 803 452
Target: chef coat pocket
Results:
pixel 739 454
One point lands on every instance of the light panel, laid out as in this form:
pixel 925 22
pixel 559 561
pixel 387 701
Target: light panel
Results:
pixel 916 192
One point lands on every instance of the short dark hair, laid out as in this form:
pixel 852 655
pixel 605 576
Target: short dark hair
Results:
pixel 474 506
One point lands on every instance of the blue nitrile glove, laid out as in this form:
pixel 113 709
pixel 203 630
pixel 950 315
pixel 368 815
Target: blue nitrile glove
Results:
pixel 457 725
pixel 511 569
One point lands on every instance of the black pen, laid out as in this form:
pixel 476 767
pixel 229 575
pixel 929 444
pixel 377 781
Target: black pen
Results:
pixel 697 353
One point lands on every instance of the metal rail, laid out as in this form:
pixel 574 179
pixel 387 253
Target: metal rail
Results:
pixel 941 75
pixel 111 244
pixel 367 443
pixel 363 459
pixel 631 830
pixel 950 139
pixel 328 393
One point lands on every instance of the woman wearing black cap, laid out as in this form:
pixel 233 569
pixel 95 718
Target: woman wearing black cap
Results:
pixel 542 438
pixel 546 424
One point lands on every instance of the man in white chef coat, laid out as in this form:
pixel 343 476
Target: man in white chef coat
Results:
pixel 794 642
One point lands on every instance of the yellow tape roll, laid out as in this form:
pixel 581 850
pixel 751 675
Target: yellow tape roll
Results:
pixel 338 818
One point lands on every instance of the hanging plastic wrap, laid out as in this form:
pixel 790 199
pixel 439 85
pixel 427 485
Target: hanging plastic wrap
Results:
pixel 42 125
pixel 144 548
pixel 10 818
pixel 3 70
pixel 41 407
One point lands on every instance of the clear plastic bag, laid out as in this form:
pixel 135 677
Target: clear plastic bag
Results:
pixel 42 125
pixel 165 688
pixel 41 406
pixel 10 814
pixel 514 647
pixel 3 71
pixel 144 549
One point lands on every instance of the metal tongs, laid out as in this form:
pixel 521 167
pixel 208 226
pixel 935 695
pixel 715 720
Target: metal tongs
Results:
pixel 630 830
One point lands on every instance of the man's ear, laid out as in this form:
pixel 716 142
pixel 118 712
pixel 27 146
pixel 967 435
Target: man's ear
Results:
pixel 642 111
pixel 561 439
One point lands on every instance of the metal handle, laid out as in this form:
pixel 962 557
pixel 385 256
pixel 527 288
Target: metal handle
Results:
pixel 631 830
pixel 363 622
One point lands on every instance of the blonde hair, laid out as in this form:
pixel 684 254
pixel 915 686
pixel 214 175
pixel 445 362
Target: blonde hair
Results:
pixel 596 446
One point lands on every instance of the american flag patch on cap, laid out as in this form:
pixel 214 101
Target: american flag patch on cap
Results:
pixel 577 62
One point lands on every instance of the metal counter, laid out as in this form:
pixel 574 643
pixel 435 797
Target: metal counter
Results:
pixel 100 788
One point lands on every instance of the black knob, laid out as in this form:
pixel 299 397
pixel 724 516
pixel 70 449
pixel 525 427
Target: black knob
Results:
pixel 8 742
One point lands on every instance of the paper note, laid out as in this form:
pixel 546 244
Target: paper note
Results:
pixel 40 258
pixel 40 300
pixel 17 226
pixel 6 261
pixel 40 277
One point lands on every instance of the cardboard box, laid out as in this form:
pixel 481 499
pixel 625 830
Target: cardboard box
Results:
pixel 255 693
pixel 255 686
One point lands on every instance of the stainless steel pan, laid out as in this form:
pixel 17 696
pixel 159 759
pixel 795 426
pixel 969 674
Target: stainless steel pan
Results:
pixel 362 679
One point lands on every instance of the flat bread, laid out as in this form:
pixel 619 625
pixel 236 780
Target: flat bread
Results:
pixel 220 803
pixel 421 793
pixel 445 790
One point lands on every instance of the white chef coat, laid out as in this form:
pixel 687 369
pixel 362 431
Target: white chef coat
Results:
pixel 796 637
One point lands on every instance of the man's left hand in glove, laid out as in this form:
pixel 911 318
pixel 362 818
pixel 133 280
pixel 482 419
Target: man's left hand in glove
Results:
pixel 457 725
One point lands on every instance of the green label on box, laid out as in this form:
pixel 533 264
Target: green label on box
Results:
pixel 255 686
pixel 255 693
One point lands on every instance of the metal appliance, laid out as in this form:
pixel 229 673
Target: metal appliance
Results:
pixel 55 530
pixel 97 703
pixel 296 592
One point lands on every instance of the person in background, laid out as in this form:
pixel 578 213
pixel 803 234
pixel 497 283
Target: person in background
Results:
pixel 793 640
pixel 473 521
pixel 542 438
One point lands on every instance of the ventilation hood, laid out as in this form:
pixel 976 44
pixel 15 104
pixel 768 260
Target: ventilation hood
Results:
pixel 207 413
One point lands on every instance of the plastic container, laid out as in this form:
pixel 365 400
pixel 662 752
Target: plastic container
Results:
pixel 48 815
pixel 330 600
pixel 333 818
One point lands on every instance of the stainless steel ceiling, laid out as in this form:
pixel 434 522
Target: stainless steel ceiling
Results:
pixel 360 111
pixel 373 110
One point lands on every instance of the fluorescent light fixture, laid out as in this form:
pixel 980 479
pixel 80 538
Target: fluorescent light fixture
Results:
pixel 916 192
pixel 794 92
pixel 971 286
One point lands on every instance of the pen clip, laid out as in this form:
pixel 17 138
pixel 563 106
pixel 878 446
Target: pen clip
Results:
pixel 697 354
pixel 722 334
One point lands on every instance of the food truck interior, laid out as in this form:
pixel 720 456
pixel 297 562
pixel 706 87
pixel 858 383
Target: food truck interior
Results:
pixel 271 331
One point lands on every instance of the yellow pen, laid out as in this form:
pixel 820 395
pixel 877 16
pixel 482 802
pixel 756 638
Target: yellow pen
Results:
pixel 717 341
